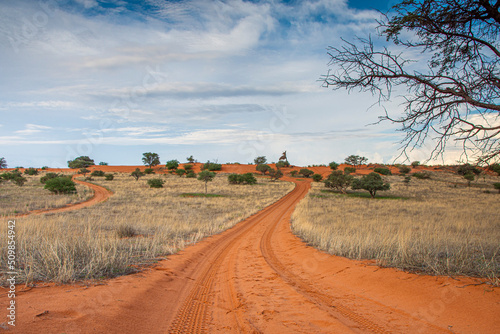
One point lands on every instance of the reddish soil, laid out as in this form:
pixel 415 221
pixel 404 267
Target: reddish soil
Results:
pixel 259 278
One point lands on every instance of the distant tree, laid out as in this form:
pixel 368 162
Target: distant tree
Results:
pixel 81 162
pixel 275 174
pixel 246 178
pixel 468 169
pixel 172 164
pixel 97 173
pixel 137 174
pixel 306 172
pixel 415 164
pixel 191 160
pixel 49 176
pixel 150 159
pixel 60 185
pixel 333 165
pixel 282 163
pixel 263 168
pixel 102 163
pixel 355 160
pixel 149 171
pixel 206 176
pixel 180 172
pixel 293 173
pixel 109 177
pixel 84 171
pixel 339 181
pixel 317 177
pixel 260 160
pixel 3 163
pixel 372 182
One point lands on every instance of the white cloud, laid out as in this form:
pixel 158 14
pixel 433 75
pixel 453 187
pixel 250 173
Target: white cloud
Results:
pixel 32 129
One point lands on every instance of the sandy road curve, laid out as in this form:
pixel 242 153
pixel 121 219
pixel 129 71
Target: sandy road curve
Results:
pixel 101 194
pixel 259 278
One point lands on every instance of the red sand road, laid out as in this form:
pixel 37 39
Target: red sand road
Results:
pixel 259 278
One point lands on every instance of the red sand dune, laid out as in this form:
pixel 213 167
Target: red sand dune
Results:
pixel 259 278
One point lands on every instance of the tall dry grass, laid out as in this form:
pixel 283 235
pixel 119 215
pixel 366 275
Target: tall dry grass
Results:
pixel 32 196
pixel 137 225
pixel 443 227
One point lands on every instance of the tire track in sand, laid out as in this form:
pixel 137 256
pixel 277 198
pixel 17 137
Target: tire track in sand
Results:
pixel 101 194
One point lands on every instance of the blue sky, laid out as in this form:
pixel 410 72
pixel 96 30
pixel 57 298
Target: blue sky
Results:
pixel 219 80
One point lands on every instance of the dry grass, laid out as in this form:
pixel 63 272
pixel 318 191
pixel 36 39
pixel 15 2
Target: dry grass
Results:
pixel 440 228
pixel 32 196
pixel 135 226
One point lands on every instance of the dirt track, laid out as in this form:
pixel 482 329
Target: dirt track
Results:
pixel 258 277
pixel 101 194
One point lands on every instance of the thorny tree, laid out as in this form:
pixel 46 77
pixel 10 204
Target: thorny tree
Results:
pixel 457 97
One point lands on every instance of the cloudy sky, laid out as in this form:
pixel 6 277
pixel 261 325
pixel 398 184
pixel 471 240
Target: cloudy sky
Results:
pixel 220 80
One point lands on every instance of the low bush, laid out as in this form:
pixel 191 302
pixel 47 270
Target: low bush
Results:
pixel 126 231
pixel 497 186
pixel 156 183
pixel 97 173
pixel 190 174
pixel 282 164
pixel 188 167
pixel 404 170
pixel 317 177
pixel 60 185
pixel 31 171
pixel 293 173
pixel 180 172
pixel 349 170
pixel 382 171
pixel 49 176
pixel 247 178
pixel 211 166
pixel 172 164
pixel 422 175
pixel 306 172
pixel 149 171
pixel 109 177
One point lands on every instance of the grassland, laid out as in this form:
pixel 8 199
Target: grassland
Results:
pixel 438 226
pixel 32 196
pixel 136 226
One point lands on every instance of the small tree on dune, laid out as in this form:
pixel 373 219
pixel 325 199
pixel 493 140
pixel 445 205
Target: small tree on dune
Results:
pixel 263 168
pixel 3 163
pixel 333 165
pixel 260 160
pixel 339 181
pixel 137 174
pixel 275 174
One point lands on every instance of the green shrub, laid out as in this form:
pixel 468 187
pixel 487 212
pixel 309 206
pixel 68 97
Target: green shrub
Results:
pixel 206 176
pixel 422 175
pixel 45 167
pixel 15 177
pixel 49 176
pixel 339 181
pixel 495 168
pixel 349 170
pixel 497 186
pixel 282 164
pixel 468 169
pixel 97 173
pixel 246 178
pixel 180 172
pixel 156 183
pixel 260 160
pixel 61 185
pixel 404 170
pixel 333 165
pixel 275 174
pixel 306 172
pixel 211 166
pixel 317 177
pixel 172 164
pixel 149 171
pixel 31 171
pixel 84 171
pixel 415 164
pixel 188 167
pixel 109 177
pixel 190 174
pixel 293 173
pixel 383 171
